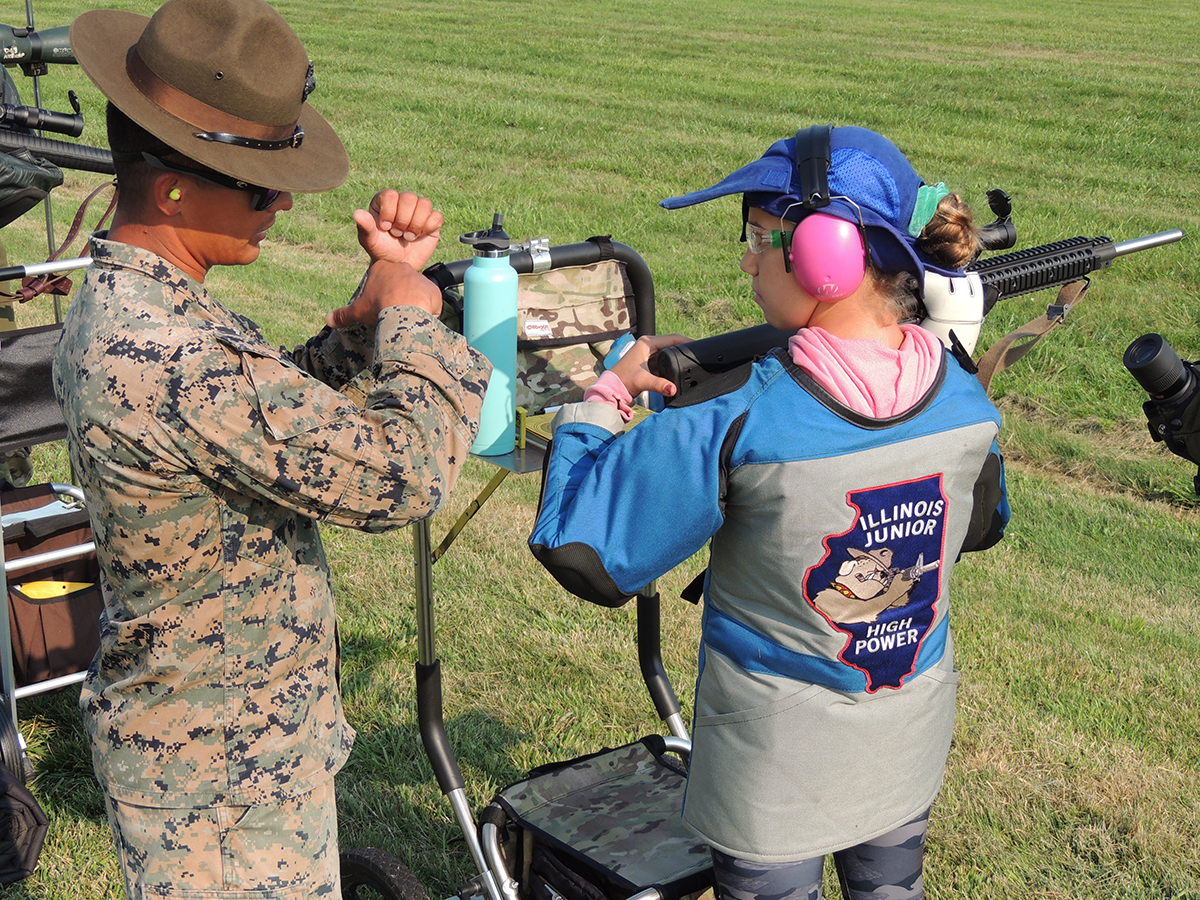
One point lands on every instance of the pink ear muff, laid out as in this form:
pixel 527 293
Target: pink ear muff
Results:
pixel 828 257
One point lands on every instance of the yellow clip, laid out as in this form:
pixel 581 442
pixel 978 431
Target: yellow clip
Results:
pixel 49 590
pixel 521 413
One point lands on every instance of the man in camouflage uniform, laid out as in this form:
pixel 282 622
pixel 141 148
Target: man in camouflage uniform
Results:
pixel 209 456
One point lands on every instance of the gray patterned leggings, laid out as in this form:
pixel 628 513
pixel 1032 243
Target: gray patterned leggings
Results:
pixel 887 868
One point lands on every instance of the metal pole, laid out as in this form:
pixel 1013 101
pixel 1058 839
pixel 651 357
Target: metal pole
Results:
pixel 35 70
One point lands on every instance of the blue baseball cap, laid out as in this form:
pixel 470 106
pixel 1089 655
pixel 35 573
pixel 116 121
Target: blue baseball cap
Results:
pixel 893 200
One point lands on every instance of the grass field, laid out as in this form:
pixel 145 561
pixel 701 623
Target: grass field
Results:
pixel 1074 772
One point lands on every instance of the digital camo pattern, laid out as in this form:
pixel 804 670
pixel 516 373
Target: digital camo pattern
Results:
pixel 589 304
pixel 208 457
pixel 886 868
pixel 620 809
pixel 282 851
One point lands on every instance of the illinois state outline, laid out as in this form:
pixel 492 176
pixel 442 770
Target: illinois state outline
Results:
pixel 879 581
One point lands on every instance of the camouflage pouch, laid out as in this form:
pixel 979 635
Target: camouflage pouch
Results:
pixel 567 321
pixel 605 826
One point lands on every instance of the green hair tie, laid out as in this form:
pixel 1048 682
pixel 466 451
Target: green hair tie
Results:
pixel 928 198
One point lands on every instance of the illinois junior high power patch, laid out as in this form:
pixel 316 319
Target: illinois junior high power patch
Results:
pixel 879 581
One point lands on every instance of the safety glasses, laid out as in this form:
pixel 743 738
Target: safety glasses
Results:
pixel 261 198
pixel 760 240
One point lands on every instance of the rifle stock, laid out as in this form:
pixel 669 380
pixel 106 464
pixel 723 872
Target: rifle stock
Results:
pixel 1010 275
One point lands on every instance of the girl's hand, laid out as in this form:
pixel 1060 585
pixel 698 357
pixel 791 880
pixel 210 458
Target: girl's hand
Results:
pixel 634 367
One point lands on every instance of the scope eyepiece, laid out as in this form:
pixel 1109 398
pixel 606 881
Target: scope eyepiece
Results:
pixel 1157 368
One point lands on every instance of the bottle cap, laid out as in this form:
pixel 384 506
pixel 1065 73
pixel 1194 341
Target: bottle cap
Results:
pixel 493 242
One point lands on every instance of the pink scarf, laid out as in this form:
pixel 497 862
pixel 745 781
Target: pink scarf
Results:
pixel 865 375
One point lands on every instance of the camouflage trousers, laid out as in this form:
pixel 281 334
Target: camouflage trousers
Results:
pixel 887 868
pixel 280 851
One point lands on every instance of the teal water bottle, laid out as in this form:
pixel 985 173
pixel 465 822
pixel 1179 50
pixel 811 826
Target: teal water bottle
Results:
pixel 490 326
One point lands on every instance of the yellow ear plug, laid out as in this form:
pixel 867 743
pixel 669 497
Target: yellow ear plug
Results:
pixel 174 194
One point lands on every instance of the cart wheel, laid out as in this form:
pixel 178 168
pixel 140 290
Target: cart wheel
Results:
pixel 371 874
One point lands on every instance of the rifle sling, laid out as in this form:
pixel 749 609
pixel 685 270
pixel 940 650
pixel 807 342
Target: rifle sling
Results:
pixel 1016 344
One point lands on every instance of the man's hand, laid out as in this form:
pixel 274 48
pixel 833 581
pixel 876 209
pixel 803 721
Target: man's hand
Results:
pixel 399 227
pixel 387 284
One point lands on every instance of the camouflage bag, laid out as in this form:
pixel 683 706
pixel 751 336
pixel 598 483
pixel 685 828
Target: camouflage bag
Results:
pixel 567 321
pixel 604 826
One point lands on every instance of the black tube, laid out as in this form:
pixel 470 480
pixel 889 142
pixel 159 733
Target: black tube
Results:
pixel 585 253
pixel 649 645
pixel 687 365
pixel 63 154
pixel 999 235
pixel 433 728
pixel 35 118
pixel 1159 370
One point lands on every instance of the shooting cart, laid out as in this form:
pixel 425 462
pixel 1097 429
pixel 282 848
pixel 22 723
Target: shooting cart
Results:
pixel 540 837
pixel 49 626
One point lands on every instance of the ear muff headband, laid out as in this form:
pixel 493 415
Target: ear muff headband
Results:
pixel 827 255
pixel 813 159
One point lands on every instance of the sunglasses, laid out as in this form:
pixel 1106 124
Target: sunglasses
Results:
pixel 261 198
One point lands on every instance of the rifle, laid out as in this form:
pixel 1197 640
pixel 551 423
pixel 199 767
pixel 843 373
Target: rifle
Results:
pixel 956 306
pixel 33 51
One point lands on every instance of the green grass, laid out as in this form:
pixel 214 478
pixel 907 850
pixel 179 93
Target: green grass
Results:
pixel 1074 769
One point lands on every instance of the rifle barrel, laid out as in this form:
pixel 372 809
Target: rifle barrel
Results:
pixel 1133 245
pixel 45 268
pixel 1056 264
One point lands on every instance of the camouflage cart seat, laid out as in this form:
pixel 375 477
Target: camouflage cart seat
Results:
pixel 606 826
pixel 567 321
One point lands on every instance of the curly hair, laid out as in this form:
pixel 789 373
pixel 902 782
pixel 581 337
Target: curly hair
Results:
pixel 951 239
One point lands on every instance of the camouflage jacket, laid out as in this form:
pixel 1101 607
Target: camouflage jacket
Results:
pixel 208 457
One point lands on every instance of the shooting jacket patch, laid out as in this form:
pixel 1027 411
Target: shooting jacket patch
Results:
pixel 879 582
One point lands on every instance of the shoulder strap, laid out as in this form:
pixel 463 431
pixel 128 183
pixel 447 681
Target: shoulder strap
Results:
pixel 1016 344
pixel 53 283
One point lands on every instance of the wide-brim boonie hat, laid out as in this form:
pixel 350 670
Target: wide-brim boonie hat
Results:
pixel 224 82
pixel 865 167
